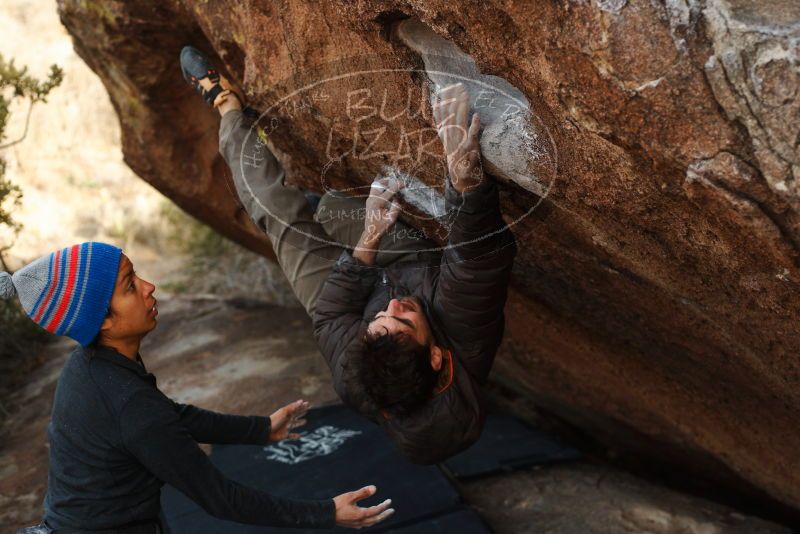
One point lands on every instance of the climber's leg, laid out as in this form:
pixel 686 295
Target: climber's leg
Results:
pixel 305 252
pixel 343 216
pixel 300 243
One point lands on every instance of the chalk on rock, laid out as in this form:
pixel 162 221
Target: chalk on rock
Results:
pixel 515 145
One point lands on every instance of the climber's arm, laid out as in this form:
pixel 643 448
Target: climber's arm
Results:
pixel 475 272
pixel 381 214
pixel 338 318
pixel 476 264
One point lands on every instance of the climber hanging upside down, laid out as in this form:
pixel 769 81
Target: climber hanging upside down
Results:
pixel 410 334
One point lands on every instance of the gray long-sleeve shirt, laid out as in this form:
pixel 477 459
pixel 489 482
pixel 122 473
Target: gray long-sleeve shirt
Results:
pixel 115 440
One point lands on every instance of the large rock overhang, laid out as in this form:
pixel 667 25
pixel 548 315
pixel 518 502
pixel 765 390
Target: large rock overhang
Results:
pixel 655 297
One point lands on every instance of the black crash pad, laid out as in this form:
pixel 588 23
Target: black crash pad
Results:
pixel 507 444
pixel 463 521
pixel 340 451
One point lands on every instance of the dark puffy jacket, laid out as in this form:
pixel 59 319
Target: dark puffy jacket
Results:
pixel 464 292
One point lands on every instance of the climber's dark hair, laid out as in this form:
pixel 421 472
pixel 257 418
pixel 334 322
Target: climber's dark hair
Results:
pixel 395 372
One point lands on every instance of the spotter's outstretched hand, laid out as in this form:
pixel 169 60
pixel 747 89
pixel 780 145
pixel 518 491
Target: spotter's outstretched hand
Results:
pixel 285 420
pixel 349 514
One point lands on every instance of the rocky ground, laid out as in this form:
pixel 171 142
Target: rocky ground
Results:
pixel 250 357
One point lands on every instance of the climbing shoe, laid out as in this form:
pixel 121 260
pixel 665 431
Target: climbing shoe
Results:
pixel 196 67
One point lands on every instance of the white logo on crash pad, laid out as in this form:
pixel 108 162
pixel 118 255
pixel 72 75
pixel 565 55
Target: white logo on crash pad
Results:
pixel 320 442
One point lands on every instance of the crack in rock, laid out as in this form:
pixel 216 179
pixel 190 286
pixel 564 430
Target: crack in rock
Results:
pixel 729 178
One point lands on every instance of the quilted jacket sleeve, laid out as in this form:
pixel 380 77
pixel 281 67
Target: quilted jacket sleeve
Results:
pixel 339 323
pixel 474 277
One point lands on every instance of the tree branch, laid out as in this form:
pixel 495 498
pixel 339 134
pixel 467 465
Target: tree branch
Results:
pixel 25 132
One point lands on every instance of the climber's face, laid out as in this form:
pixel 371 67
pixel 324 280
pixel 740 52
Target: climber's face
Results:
pixel 133 308
pixel 404 316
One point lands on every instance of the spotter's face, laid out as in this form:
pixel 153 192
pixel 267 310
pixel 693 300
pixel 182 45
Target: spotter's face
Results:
pixel 133 305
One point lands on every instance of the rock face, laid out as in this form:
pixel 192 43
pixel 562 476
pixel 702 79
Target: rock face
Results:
pixel 649 164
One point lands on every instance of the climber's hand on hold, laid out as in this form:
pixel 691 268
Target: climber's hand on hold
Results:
pixel 381 210
pixel 459 136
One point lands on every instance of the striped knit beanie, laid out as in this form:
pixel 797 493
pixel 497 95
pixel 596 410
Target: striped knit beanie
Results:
pixel 67 292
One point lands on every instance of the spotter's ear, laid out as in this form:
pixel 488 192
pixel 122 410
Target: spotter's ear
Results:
pixel 108 322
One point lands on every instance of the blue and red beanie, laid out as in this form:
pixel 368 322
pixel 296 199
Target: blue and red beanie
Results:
pixel 69 291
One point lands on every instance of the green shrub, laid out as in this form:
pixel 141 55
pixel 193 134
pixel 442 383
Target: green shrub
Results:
pixel 216 265
pixel 20 336
pixel 19 332
pixel 192 237
pixel 17 84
